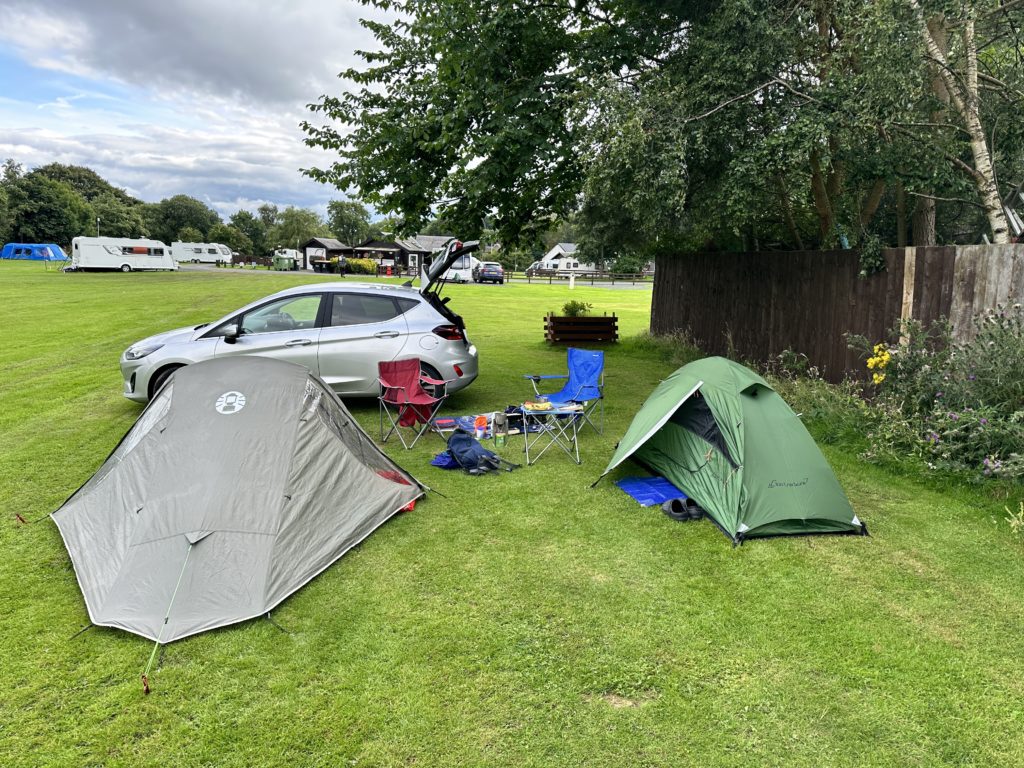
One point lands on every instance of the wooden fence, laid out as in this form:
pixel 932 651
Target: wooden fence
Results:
pixel 758 305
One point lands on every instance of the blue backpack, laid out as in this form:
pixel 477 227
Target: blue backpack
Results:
pixel 467 452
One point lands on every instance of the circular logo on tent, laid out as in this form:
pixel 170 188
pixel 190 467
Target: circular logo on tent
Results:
pixel 230 402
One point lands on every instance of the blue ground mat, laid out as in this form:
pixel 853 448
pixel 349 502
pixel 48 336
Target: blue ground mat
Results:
pixel 650 490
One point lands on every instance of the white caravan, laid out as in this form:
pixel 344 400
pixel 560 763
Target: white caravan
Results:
pixel 200 253
pixel 562 267
pixel 120 253
pixel 461 271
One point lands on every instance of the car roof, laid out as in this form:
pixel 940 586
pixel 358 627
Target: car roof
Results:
pixel 339 287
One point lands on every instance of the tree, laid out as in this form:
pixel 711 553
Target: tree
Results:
pixel 294 227
pixel 269 214
pixel 189 235
pixel 682 124
pixel 169 217
pixel 85 181
pixel 117 218
pixel 253 229
pixel 5 215
pixel 348 220
pixel 47 211
pixel 232 237
pixel 11 172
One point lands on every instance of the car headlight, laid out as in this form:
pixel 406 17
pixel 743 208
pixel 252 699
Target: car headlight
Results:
pixel 137 353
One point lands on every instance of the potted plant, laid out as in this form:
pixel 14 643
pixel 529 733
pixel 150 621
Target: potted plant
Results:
pixel 576 324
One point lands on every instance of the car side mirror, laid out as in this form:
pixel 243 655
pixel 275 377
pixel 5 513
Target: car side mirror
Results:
pixel 231 333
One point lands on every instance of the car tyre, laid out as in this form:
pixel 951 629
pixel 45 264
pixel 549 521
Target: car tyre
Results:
pixel 126 267
pixel 431 373
pixel 160 378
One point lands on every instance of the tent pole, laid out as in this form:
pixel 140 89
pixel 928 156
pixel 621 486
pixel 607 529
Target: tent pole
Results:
pixel 167 615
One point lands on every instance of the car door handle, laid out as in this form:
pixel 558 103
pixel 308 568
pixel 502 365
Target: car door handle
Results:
pixel 385 334
pixel 298 342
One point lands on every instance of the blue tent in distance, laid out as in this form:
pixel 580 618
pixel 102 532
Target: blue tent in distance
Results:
pixel 33 252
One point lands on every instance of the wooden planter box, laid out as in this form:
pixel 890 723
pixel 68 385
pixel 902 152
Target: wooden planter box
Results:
pixel 570 330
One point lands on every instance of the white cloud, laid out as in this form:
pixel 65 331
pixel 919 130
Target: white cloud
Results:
pixel 184 96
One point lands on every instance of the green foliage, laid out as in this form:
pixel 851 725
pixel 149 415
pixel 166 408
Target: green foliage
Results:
pixel 232 237
pixel 294 227
pixel 348 221
pixel 169 217
pixel 960 406
pixel 47 211
pixel 576 308
pixel 118 218
pixel 362 266
pixel 86 182
pixel 679 125
pixel 253 228
pixel 190 235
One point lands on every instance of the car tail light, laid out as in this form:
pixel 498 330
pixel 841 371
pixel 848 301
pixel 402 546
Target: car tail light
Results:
pixel 449 333
pixel 458 371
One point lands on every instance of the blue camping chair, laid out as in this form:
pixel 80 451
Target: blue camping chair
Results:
pixel 584 386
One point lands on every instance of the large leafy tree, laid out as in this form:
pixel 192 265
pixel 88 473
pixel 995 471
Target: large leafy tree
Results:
pixel 85 181
pixel 118 218
pixel 254 230
pixel 232 237
pixel 169 217
pixel 47 211
pixel 682 123
pixel 348 220
pixel 294 227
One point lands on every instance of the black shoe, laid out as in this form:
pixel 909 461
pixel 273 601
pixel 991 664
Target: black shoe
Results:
pixel 676 509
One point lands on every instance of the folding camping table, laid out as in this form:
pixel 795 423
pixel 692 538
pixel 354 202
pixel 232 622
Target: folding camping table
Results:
pixel 559 425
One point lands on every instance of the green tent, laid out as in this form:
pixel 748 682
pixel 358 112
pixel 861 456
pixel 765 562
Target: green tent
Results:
pixel 722 435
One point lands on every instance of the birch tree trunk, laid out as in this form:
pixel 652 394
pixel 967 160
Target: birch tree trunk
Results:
pixel 964 97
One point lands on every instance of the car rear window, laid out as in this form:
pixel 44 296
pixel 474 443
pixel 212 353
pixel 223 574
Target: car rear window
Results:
pixel 359 308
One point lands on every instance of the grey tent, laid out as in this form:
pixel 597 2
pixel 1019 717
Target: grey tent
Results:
pixel 243 479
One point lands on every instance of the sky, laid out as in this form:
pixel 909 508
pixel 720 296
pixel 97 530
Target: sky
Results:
pixel 195 97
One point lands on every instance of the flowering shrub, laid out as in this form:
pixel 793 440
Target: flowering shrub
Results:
pixel 959 404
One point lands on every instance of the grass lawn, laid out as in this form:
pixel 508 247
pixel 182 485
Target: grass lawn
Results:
pixel 524 619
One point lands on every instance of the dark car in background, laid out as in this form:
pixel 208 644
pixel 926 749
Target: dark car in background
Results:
pixel 489 272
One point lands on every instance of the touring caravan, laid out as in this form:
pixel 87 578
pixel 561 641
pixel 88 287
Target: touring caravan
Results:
pixel 120 253
pixel 461 271
pixel 561 267
pixel 200 253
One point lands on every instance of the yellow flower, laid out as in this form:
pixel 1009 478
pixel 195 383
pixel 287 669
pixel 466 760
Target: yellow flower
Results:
pixel 878 378
pixel 872 362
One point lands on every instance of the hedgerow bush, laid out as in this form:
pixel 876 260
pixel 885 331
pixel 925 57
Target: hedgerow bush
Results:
pixel 362 267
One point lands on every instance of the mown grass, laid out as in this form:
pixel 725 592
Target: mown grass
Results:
pixel 523 619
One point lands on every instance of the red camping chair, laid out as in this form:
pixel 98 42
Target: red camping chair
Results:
pixel 405 401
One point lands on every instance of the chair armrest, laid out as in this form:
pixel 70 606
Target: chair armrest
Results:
pixel 537 377
pixel 436 382
pixel 387 384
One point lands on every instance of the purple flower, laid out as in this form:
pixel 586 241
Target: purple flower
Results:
pixel 933 437
pixel 954 416
pixel 983 421
pixel 938 395
pixel 972 377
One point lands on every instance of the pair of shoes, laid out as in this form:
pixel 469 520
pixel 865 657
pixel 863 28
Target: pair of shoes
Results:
pixel 682 510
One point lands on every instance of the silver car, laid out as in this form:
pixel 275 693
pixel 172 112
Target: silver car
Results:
pixel 340 331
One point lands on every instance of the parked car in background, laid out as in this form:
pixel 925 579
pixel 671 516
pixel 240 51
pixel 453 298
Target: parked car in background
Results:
pixel 489 272
pixel 339 331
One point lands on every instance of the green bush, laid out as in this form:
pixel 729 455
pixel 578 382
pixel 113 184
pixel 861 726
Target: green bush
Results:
pixel 576 308
pixel 362 267
pixel 960 406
